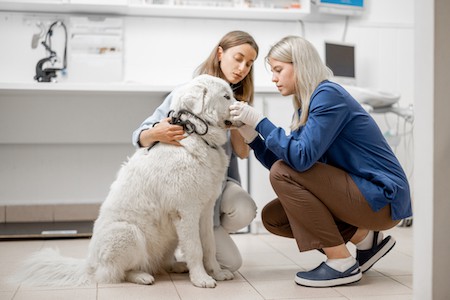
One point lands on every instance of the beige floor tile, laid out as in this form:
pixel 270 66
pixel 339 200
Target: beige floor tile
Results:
pixel 288 289
pixel 61 294
pixel 16 250
pixel 159 278
pixel 77 248
pixel 318 298
pixel 249 243
pixel 180 278
pixel 184 278
pixel 372 272
pixel 225 290
pixel 374 286
pixel 269 273
pixel 404 238
pixel 406 280
pixel 265 259
pixel 395 263
pixel 6 295
pixel 238 277
pixel 384 297
pixel 7 270
pixel 157 291
pixel 12 253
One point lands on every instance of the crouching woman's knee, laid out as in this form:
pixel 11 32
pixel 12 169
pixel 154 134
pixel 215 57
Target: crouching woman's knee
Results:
pixel 277 173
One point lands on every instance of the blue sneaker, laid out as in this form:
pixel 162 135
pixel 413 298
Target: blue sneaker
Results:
pixel 325 276
pixel 367 258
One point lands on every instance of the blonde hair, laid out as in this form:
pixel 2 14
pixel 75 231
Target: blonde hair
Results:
pixel 309 72
pixel 244 90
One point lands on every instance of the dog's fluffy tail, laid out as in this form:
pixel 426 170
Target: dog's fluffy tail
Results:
pixel 48 268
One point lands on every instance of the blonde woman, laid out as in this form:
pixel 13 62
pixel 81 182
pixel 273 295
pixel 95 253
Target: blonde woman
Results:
pixel 336 178
pixel 232 60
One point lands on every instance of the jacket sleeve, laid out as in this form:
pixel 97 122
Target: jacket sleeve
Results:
pixel 305 146
pixel 159 114
pixel 266 157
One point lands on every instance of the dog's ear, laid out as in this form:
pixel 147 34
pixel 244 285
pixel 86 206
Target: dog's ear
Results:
pixel 193 99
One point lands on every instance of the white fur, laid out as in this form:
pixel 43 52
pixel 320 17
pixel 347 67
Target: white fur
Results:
pixel 162 197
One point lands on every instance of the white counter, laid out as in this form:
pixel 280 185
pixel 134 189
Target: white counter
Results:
pixel 102 87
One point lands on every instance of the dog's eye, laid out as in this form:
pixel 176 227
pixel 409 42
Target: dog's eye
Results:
pixel 226 96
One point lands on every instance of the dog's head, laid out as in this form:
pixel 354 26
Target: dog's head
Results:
pixel 207 97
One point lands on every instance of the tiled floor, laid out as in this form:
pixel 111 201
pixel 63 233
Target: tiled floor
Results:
pixel 270 264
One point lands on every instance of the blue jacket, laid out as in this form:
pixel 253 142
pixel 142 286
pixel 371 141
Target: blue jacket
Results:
pixel 339 132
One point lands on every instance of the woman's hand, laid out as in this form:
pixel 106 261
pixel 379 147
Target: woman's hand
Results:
pixel 243 112
pixel 163 132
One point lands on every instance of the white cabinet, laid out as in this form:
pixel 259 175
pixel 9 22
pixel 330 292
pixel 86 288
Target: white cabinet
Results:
pixel 280 10
pixel 68 140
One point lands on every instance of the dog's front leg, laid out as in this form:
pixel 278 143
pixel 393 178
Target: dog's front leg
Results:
pixel 209 245
pixel 187 225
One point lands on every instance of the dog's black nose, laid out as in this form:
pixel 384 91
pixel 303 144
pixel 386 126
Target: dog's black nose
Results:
pixel 228 123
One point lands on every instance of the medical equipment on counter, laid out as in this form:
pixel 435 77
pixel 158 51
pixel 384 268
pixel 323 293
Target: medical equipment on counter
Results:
pixel 379 101
pixel 48 74
pixel 340 58
pixel 375 99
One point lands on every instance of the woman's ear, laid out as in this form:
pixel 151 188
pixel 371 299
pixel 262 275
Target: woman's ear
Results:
pixel 219 53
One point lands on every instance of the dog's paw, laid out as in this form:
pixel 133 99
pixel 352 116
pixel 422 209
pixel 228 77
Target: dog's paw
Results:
pixel 223 274
pixel 179 267
pixel 140 277
pixel 203 281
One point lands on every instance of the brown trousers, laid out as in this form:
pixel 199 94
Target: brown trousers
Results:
pixel 321 207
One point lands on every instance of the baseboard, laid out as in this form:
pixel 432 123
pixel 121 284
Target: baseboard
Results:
pixel 49 213
pixel 46 230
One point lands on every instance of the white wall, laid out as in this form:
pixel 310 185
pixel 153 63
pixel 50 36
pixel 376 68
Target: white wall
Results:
pixel 431 220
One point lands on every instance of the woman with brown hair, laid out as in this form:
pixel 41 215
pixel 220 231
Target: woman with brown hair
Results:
pixel 232 60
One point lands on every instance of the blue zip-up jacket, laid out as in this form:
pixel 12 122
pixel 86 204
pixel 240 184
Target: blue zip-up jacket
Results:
pixel 339 132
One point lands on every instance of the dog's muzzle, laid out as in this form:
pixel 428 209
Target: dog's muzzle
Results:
pixel 237 124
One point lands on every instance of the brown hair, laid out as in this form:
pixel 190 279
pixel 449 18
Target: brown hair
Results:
pixel 244 90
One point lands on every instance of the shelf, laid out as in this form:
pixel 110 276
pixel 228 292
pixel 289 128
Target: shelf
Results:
pixel 82 87
pixel 101 87
pixel 178 11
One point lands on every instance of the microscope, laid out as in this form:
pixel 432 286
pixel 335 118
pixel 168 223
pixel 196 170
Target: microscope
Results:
pixel 48 74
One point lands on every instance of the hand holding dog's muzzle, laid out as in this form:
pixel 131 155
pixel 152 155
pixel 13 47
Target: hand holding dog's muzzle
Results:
pixel 241 111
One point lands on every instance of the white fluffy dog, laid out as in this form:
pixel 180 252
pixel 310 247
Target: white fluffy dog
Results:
pixel 163 197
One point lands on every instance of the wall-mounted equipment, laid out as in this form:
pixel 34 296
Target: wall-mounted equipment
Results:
pixel 44 73
pixel 340 7
pixel 340 58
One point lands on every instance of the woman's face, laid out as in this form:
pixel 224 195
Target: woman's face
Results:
pixel 236 62
pixel 283 76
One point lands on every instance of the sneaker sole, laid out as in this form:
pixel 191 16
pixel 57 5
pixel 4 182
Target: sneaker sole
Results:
pixel 383 251
pixel 329 283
